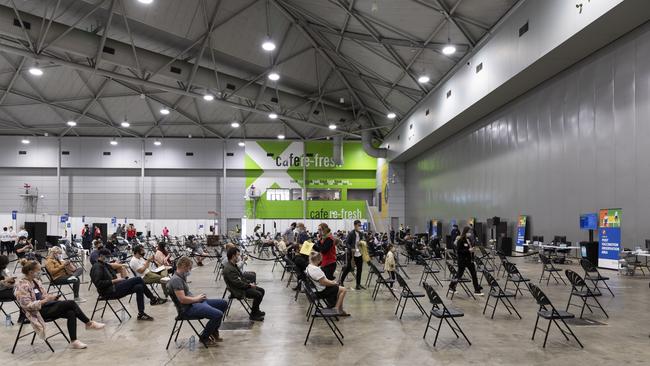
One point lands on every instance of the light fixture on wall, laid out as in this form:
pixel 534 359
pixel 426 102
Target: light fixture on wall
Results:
pixel 241 143
pixel 157 142
pixel 113 142
pixel 281 137
pixel 25 141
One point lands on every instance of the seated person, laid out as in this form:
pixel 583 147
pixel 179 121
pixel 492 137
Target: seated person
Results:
pixel 6 282
pixel 249 275
pixel 142 268
pixel 117 267
pixel 240 287
pixel 197 251
pixel 197 306
pixel 38 305
pixel 110 286
pixel 63 272
pixel 328 290
pixel 25 250
pixel 162 257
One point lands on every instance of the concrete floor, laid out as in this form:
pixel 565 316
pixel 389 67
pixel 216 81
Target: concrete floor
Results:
pixel 373 335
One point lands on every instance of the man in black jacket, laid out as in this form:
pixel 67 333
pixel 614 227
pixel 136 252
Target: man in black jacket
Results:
pixel 110 286
pixel 353 252
pixel 240 287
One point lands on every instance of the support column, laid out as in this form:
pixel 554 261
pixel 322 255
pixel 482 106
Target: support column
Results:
pixel 58 182
pixel 142 180
pixel 222 214
pixel 304 183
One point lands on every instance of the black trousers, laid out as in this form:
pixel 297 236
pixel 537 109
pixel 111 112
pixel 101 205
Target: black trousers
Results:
pixel 6 246
pixel 65 309
pixel 257 294
pixel 358 263
pixel 329 270
pixel 132 285
pixel 472 270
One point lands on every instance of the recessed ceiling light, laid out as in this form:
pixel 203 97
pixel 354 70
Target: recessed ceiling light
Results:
pixel 146 2
pixel 268 45
pixel 208 97
pixel 449 49
pixel 273 115
pixel 113 142
pixel 332 126
pixel 125 124
pixel 36 71
pixel 164 111
pixel 274 76
pixel 280 137
pixel 157 143
pixel 25 141
pixel 241 143
pixel 71 123
pixel 234 124
pixel 391 115
pixel 423 79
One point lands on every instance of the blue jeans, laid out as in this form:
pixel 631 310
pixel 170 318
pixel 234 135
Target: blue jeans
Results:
pixel 212 309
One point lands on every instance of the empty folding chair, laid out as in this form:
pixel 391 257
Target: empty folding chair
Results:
pixel 549 312
pixel 498 294
pixel 371 274
pixel 427 272
pixel 487 258
pixel 592 274
pixel 181 318
pixel 580 289
pixel 502 260
pixel 548 267
pixel 442 312
pixel 514 276
pixel 482 267
pixel 321 312
pixel 407 294
pixel 381 281
pixel 453 273
pixel 107 303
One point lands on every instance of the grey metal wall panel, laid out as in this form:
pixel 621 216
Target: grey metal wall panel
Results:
pixel 575 144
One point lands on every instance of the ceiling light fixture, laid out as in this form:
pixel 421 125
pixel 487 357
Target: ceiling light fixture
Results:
pixel 164 111
pixel 146 2
pixel 274 76
pixel 391 115
pixel 125 124
pixel 268 45
pixel 113 142
pixel 235 125
pixel 423 79
pixel 280 137
pixel 157 142
pixel 36 71
pixel 241 143
pixel 273 115
pixel 71 123
pixel 208 97
pixel 449 49
pixel 332 126
pixel 25 141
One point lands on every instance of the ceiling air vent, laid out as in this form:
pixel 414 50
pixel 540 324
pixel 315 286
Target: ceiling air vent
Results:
pixel 27 25
pixel 106 153
pixel 175 70
pixel 230 87
pixel 22 152
pixel 230 154
pixel 426 113
pixel 109 50
pixel 65 152
pixel 479 67
pixel 274 99
pixel 189 154
pixel 148 153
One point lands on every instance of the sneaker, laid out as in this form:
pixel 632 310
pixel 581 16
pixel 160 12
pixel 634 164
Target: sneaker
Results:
pixel 157 301
pixel 79 300
pixel 200 264
pixel 77 344
pixel 478 293
pixel 208 342
pixel 453 291
pixel 358 288
pixel 95 325
pixel 145 317
pixel 257 317
pixel 260 312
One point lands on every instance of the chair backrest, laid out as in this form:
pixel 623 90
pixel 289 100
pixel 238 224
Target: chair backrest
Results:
pixel 511 268
pixel 539 295
pixel 482 250
pixel 492 282
pixel 401 282
pixel 373 268
pixel 452 269
pixel 177 304
pixel 544 259
pixel 588 266
pixel 432 294
pixel 575 278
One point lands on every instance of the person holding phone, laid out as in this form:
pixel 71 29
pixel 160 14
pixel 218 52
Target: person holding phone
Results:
pixel 38 305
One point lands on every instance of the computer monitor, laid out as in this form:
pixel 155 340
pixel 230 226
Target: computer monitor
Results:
pixel 589 221
pixel 559 239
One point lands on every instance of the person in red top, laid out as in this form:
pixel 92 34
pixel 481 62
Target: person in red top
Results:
pixel 165 232
pixel 327 248
pixel 131 232
pixel 98 233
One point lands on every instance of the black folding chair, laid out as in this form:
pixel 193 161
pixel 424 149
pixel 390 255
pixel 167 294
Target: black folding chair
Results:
pixel 549 312
pixel 180 319
pixel 321 312
pixel 407 294
pixel 381 281
pixel 487 258
pixel 290 267
pixel 107 303
pixel 19 336
pixel 515 277
pixel 242 300
pixel 442 312
pixel 482 267
pixel 427 272
pixel 498 294
pixel 453 273
pixel 592 274
pixel 502 260
pixel 8 314
pixel 371 274
pixel 548 267
pixel 580 289
pixel 57 286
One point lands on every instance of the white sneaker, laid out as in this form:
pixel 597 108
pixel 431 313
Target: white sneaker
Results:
pixel 77 344
pixel 79 300
pixel 165 280
pixel 95 325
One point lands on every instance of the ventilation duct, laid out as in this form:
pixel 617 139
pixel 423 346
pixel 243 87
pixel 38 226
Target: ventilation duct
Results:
pixel 337 154
pixel 366 139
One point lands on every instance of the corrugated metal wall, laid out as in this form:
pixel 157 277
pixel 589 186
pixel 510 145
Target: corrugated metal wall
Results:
pixel 577 143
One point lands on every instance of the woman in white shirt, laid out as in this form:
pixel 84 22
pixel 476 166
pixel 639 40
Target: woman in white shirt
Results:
pixel 328 290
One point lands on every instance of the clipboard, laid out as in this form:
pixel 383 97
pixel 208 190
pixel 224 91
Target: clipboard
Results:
pixel 306 248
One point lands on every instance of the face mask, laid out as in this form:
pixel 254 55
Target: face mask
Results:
pixel 59 256
pixel 188 273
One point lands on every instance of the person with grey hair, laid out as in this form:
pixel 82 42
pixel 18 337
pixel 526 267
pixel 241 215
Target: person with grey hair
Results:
pixel 326 289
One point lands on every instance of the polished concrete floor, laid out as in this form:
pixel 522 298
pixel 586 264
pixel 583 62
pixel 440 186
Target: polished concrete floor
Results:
pixel 373 334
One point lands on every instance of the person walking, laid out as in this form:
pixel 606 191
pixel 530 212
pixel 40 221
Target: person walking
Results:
pixel 353 253
pixel 465 253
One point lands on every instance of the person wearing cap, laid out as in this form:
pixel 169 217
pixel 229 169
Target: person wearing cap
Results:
pixel 110 286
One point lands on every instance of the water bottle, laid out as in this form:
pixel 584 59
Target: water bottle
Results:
pixel 192 343
pixel 8 321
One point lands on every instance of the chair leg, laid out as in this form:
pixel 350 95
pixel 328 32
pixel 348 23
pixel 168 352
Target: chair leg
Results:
pixel 461 331
pixel 487 300
pixel 572 334
pixel 546 336
pixel 171 334
pixel 427 328
pixel 309 331
pixel 437 332
pixel 494 309
pixel 535 330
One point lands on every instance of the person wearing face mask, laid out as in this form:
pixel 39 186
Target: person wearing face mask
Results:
pixel 465 252
pixel 325 245
pixel 142 268
pixel 241 287
pixel 353 253
pixel 196 306
pixel 63 272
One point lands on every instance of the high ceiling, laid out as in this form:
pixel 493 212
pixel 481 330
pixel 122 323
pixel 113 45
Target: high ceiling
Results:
pixel 341 62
